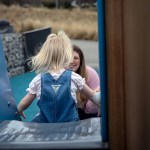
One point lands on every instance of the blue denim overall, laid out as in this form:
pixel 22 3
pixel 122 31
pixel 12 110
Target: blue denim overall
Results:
pixel 56 103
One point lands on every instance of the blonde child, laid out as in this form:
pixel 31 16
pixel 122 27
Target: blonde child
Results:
pixel 54 86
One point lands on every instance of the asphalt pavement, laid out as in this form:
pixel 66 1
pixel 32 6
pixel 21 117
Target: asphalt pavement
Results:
pixel 90 50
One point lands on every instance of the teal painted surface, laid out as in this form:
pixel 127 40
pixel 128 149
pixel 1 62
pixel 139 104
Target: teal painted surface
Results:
pixel 103 69
pixel 19 84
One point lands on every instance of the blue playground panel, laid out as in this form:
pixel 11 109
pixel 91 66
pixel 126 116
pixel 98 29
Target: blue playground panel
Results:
pixel 103 68
pixel 8 109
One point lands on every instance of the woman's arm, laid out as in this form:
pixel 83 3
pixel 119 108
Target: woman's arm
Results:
pixel 93 79
pixel 25 103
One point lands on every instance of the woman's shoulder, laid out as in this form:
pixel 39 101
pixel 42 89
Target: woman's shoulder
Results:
pixel 91 71
pixel 93 80
pixel 89 68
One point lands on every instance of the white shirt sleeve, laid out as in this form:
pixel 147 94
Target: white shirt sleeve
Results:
pixel 77 83
pixel 35 86
pixel 77 80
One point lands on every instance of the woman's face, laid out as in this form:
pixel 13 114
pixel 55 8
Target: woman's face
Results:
pixel 76 62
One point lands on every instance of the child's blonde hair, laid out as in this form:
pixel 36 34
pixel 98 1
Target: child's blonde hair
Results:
pixel 55 54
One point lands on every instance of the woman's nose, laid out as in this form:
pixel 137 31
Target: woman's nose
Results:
pixel 71 63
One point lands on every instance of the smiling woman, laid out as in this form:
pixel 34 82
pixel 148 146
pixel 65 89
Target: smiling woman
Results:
pixel 86 109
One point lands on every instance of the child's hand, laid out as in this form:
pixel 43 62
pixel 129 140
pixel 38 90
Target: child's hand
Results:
pixel 22 114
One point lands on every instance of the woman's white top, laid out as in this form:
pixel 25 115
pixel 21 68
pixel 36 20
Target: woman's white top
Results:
pixel 77 83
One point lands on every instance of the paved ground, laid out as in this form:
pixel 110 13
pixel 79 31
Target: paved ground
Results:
pixel 90 50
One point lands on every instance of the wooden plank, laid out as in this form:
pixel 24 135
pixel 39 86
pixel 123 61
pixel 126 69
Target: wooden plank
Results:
pixel 115 73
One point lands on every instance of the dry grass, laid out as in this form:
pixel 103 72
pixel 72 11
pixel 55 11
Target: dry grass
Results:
pixel 77 23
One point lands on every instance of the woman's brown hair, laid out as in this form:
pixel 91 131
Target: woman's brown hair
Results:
pixel 82 72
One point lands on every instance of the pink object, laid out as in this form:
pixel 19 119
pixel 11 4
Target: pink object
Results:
pixel 93 81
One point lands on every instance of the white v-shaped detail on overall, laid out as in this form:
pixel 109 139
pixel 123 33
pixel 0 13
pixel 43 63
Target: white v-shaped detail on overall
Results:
pixel 56 87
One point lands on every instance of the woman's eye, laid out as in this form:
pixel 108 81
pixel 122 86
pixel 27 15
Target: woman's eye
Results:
pixel 76 58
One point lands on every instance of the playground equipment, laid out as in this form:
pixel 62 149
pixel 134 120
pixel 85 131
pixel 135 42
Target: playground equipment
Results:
pixel 85 134
pixel 5 26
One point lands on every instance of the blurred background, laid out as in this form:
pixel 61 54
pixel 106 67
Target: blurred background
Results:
pixel 78 18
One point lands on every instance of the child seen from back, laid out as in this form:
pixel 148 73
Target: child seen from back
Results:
pixel 54 86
